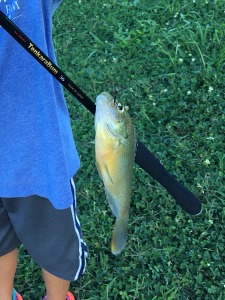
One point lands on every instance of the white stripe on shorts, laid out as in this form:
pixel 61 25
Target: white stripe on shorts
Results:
pixel 82 246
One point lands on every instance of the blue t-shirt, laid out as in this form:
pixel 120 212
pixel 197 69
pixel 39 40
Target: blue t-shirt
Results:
pixel 37 150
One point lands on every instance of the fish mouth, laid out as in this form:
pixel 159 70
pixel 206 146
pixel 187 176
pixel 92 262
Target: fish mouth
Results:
pixel 100 96
pixel 102 101
pixel 105 96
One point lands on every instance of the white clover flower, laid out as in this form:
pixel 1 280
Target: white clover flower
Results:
pixel 210 89
pixel 210 138
pixel 188 92
pixel 180 60
pixel 207 162
pixel 193 59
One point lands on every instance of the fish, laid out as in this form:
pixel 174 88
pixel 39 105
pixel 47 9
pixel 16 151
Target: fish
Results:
pixel 115 145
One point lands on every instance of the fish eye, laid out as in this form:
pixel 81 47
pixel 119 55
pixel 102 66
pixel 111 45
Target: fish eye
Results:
pixel 120 106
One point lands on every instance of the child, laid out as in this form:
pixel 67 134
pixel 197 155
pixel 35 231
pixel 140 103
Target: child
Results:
pixel 38 160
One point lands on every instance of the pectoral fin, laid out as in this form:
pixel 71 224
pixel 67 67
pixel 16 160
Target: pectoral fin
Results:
pixel 105 176
pixel 113 203
pixel 103 172
pixel 107 172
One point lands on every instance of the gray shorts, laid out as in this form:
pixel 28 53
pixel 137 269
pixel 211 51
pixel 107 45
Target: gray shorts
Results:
pixel 52 237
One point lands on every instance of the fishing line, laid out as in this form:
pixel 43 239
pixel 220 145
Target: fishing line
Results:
pixel 144 158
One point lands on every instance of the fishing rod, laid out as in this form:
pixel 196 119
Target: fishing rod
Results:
pixel 144 158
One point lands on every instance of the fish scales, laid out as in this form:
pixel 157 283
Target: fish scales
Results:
pixel 115 152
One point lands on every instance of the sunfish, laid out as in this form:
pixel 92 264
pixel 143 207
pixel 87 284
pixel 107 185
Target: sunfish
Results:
pixel 115 145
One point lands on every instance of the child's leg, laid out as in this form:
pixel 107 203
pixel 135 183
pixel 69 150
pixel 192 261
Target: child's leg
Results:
pixel 56 287
pixel 52 237
pixel 8 264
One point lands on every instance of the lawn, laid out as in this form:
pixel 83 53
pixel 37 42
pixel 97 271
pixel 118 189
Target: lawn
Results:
pixel 166 59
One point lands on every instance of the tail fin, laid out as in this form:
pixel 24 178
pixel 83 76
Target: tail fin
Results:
pixel 118 242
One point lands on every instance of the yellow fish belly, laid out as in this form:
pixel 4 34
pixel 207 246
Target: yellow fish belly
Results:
pixel 115 163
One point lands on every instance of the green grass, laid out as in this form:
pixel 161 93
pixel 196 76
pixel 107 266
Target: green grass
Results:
pixel 167 58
